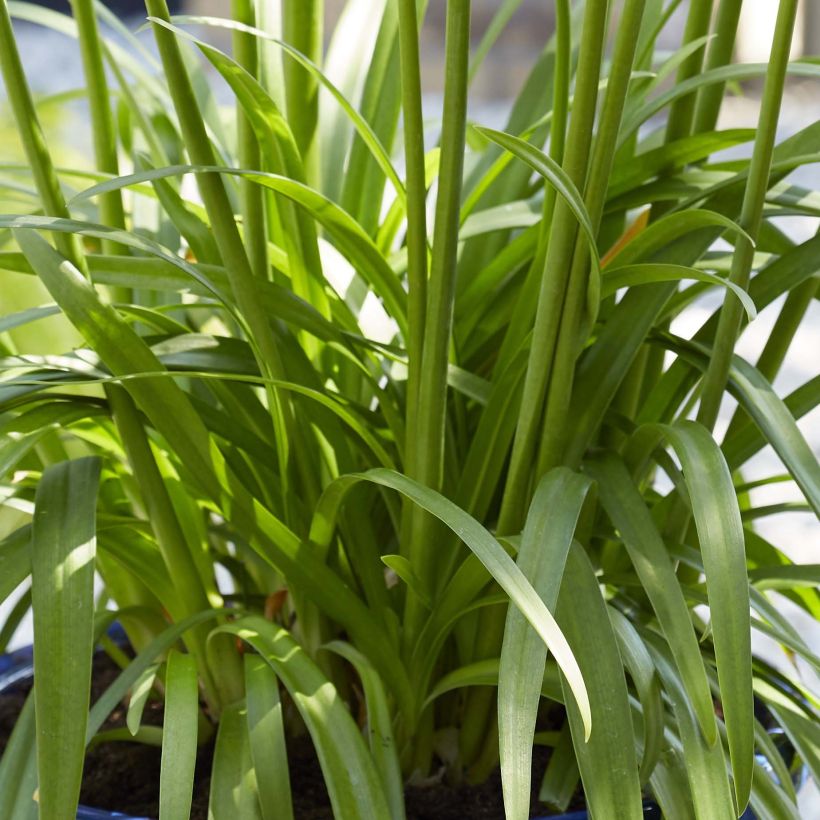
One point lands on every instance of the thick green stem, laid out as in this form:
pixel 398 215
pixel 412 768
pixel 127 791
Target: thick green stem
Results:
pixel 682 111
pixel 253 196
pixel 751 216
pixel 432 400
pixel 524 311
pixel 710 98
pixel 102 118
pixel 560 244
pixel 302 27
pixel 556 272
pixel 581 290
pixel 416 214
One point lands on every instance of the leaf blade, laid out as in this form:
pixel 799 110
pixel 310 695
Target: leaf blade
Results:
pixel 178 738
pixel 63 554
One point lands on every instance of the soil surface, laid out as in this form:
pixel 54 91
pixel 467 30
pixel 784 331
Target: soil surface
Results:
pixel 124 776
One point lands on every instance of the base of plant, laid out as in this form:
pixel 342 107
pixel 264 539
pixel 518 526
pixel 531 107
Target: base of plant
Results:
pixel 121 779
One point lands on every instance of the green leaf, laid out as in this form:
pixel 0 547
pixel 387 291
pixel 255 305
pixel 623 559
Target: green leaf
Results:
pixel 703 763
pixel 609 769
pixel 632 519
pixel 379 726
pixel 555 175
pixel 224 64
pixel 561 777
pixel 139 697
pixel 63 548
pixel 778 425
pixel 15 560
pixel 674 155
pixel 267 739
pixel 116 691
pixel 404 569
pixel 348 235
pixel 18 767
pixel 233 779
pixel 660 234
pixel 647 274
pixel 638 662
pixel 352 782
pixel 548 534
pixel 720 531
pixel 179 738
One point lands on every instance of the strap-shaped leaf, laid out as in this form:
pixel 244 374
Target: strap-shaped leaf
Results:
pixel 609 769
pixel 628 512
pixel 778 425
pixel 176 782
pixel 18 768
pixel 638 662
pixel 704 764
pixel 561 777
pixel 105 704
pixel 555 175
pixel 267 738
pixel 720 531
pixel 139 697
pixel 548 534
pixel 349 236
pixel 170 411
pixel 352 781
pixel 650 273
pixel 62 563
pixel 379 726
pixel 233 779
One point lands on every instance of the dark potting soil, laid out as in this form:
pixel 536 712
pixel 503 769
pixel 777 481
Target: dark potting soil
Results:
pixel 124 776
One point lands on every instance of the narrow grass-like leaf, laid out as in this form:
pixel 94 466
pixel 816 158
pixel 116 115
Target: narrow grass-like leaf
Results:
pixel 646 274
pixel 18 767
pixel 116 691
pixel 555 175
pixel 233 779
pixel 63 553
pixel 720 531
pixel 353 784
pixel 609 769
pixel 379 726
pixel 15 560
pixel 546 540
pixel 638 662
pixel 633 520
pixel 347 233
pixel 561 777
pixel 267 739
pixel 179 737
pixel 705 764
pixel 220 61
pixel 139 697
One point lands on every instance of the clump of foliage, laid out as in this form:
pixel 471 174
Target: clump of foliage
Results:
pixel 419 399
